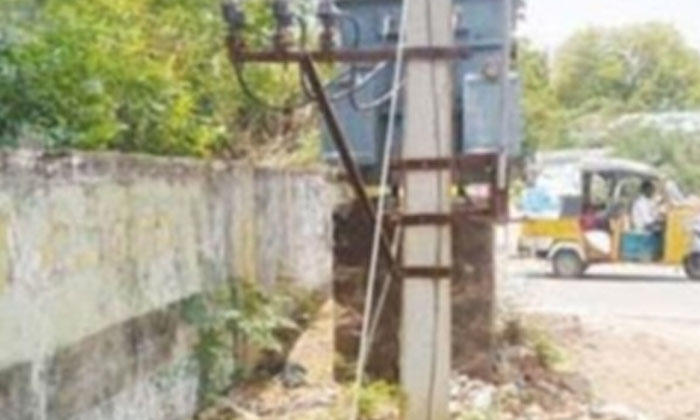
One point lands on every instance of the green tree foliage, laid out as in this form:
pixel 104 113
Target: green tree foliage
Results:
pixel 545 119
pixel 131 75
pixel 646 67
pixel 674 152
pixel 599 75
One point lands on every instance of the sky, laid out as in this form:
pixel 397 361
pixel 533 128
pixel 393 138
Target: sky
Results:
pixel 549 22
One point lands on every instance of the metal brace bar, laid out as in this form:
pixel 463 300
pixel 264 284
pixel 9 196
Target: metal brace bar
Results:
pixel 436 273
pixel 338 137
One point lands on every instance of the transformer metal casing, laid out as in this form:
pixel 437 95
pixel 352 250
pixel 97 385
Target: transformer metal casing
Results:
pixel 477 111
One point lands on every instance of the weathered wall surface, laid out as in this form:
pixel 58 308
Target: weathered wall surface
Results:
pixel 97 254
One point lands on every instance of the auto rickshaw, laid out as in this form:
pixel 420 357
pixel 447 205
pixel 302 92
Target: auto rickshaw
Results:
pixel 588 222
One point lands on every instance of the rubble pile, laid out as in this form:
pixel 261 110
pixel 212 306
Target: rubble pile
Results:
pixel 527 389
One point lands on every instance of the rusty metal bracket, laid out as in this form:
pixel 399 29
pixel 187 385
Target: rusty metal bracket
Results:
pixel 427 219
pixel 366 55
pixel 436 273
pixel 461 163
pixel 421 219
pixel 338 137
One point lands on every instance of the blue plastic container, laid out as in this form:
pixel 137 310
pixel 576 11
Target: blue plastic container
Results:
pixel 641 246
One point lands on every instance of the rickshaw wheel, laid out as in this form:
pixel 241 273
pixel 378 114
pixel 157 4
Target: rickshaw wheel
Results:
pixel 568 264
pixel 691 265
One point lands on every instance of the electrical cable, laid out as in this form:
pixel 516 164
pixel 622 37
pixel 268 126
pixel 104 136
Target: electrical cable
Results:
pixel 380 211
pixel 381 99
pixel 377 102
pixel 337 80
pixel 239 72
pixel 303 37
pixel 308 97
pixel 353 68
pixel 356 27
pixel 364 80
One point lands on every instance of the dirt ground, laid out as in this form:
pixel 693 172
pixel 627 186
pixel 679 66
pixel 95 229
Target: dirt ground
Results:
pixel 633 331
pixel 651 366
pixel 635 339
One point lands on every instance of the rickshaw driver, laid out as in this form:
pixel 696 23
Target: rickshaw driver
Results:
pixel 647 216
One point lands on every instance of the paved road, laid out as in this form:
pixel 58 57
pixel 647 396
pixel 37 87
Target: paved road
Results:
pixel 634 292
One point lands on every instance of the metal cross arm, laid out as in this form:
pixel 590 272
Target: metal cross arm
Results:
pixel 345 55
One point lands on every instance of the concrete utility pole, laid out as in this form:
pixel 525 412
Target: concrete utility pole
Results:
pixel 425 332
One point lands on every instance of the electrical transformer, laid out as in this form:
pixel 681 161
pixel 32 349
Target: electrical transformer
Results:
pixel 479 102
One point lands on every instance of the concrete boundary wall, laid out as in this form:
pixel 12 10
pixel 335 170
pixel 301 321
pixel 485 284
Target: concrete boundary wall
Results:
pixel 99 251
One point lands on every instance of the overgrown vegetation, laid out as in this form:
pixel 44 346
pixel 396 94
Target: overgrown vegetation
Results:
pixel 232 322
pixel 137 75
pixel 518 332
pixel 378 401
pixel 378 398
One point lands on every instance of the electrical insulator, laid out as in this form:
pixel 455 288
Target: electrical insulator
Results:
pixel 235 21
pixel 284 18
pixel 327 14
pixel 233 16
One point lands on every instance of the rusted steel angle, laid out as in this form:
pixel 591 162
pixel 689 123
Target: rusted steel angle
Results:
pixel 345 55
pixel 463 162
pixel 421 219
pixel 436 273
pixel 440 219
pixel 346 158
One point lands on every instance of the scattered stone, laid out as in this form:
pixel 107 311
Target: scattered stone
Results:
pixel 483 399
pixel 542 395
pixel 615 412
pixel 455 408
pixel 534 411
pixel 293 376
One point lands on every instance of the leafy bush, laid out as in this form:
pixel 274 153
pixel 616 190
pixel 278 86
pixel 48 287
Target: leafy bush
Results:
pixel 231 317
pixel 378 398
pixel 132 75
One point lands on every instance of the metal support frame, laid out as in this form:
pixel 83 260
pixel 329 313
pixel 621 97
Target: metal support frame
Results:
pixel 339 139
pixel 475 162
pixel 460 164
pixel 427 388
